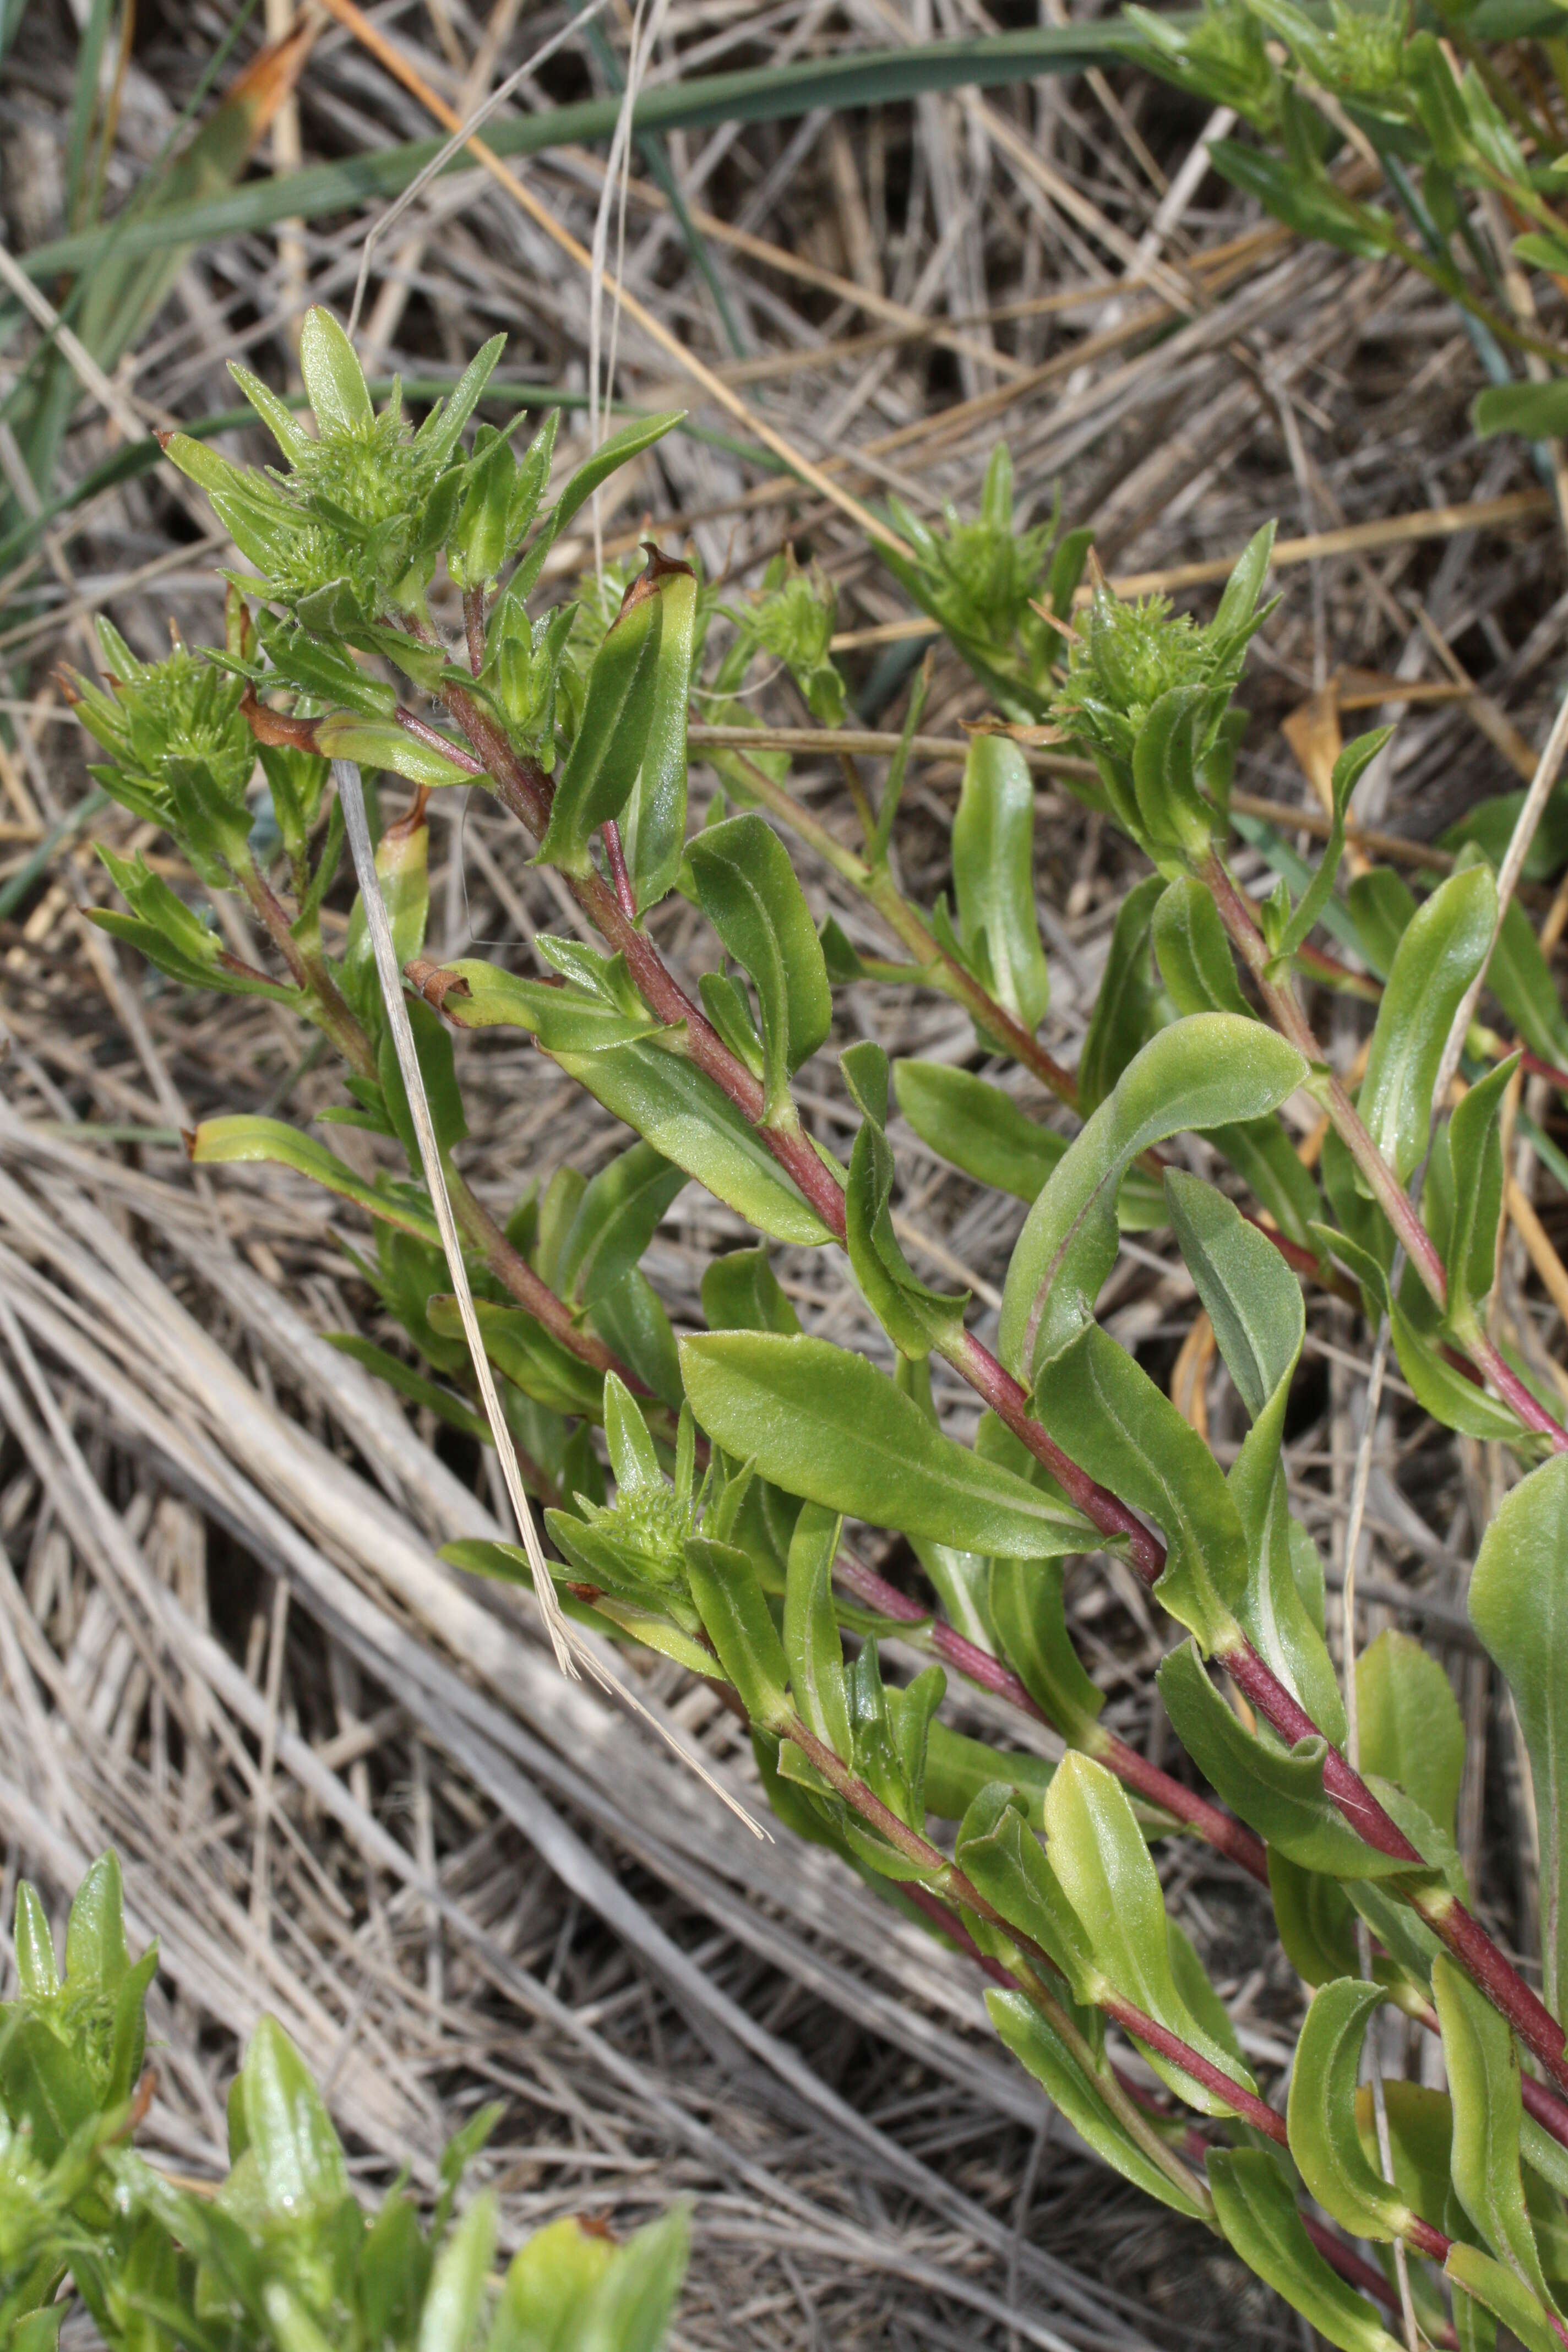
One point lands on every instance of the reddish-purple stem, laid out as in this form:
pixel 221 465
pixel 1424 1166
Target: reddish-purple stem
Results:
pixel 625 896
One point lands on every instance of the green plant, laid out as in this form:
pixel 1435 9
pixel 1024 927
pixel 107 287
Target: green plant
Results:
pixel 281 2255
pixel 710 1524
pixel 1433 140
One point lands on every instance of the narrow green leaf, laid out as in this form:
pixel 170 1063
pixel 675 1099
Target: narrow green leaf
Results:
pixel 226 1143
pixel 1280 1792
pixel 34 1945
pixel 1025 1599
pixel 299 2156
pixel 595 780
pixel 569 1020
pixel 1438 958
pixel 1107 1413
pixel 1519 1607
pixel 1321 2116
pixel 1201 1072
pixel 1315 1920
pixel 1538 410
pixel 813 1650
pixel 994 875
pixel 679 1109
pixel 823 1424
pixel 1411 1728
pixel 1037 2047
pixel 959 1768
pixel 1120 1023
pixel 1475 1148
pixel 1192 952
pixel 1483 2084
pixel 1097 1853
pixel 734 1613
pixel 1005 1862
pixel 380 743
pixel 1260 2218
pixel 977 1127
pixel 1520 979
pixel 1383 907
pixel 616 1219
pixel 749 895
pixel 456 2290
pixel 1254 1302
pixel 334 380
pixel 980 1129
pixel 1500 2292
pixel 1348 770
pixel 654 826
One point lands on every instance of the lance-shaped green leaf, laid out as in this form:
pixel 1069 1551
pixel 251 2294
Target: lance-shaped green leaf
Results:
pixel 530 1356
pixel 914 1315
pixel 1411 1728
pixel 619 450
pixel 749 895
pixel 229 1142
pixel 1441 1389
pixel 615 1221
pixel 334 380
pixel 1036 2046
pixel 1097 1853
pixel 1483 2084
pixel 993 878
pixel 299 2156
pixel 1437 959
pixel 974 1124
pixel 1192 952
pixel 813 1650
pixel 595 780
pixel 1202 1073
pixel 379 744
pixel 1498 2291
pixel 1005 1862
pixel 1474 1157
pixel 1263 2222
pixel 1280 1792
pixel 980 1129
pixel 1123 1009
pixel 1519 1607
pixel 1254 1302
pixel 460 2280
pixel 1024 1600
pixel 1383 907
pixel 1107 1413
pixel 654 827
pixel 1519 977
pixel 601 1011
pixel 1315 1920
pixel 173 938
pixel 734 1611
pixel 680 1111
pixel 825 1424
pixel 1167 763
pixel 1321 2116
pixel 1349 768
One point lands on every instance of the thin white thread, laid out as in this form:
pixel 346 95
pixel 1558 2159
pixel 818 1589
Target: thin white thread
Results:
pixel 567 1644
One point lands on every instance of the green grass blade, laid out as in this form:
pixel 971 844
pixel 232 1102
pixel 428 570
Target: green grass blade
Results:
pixel 765 94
